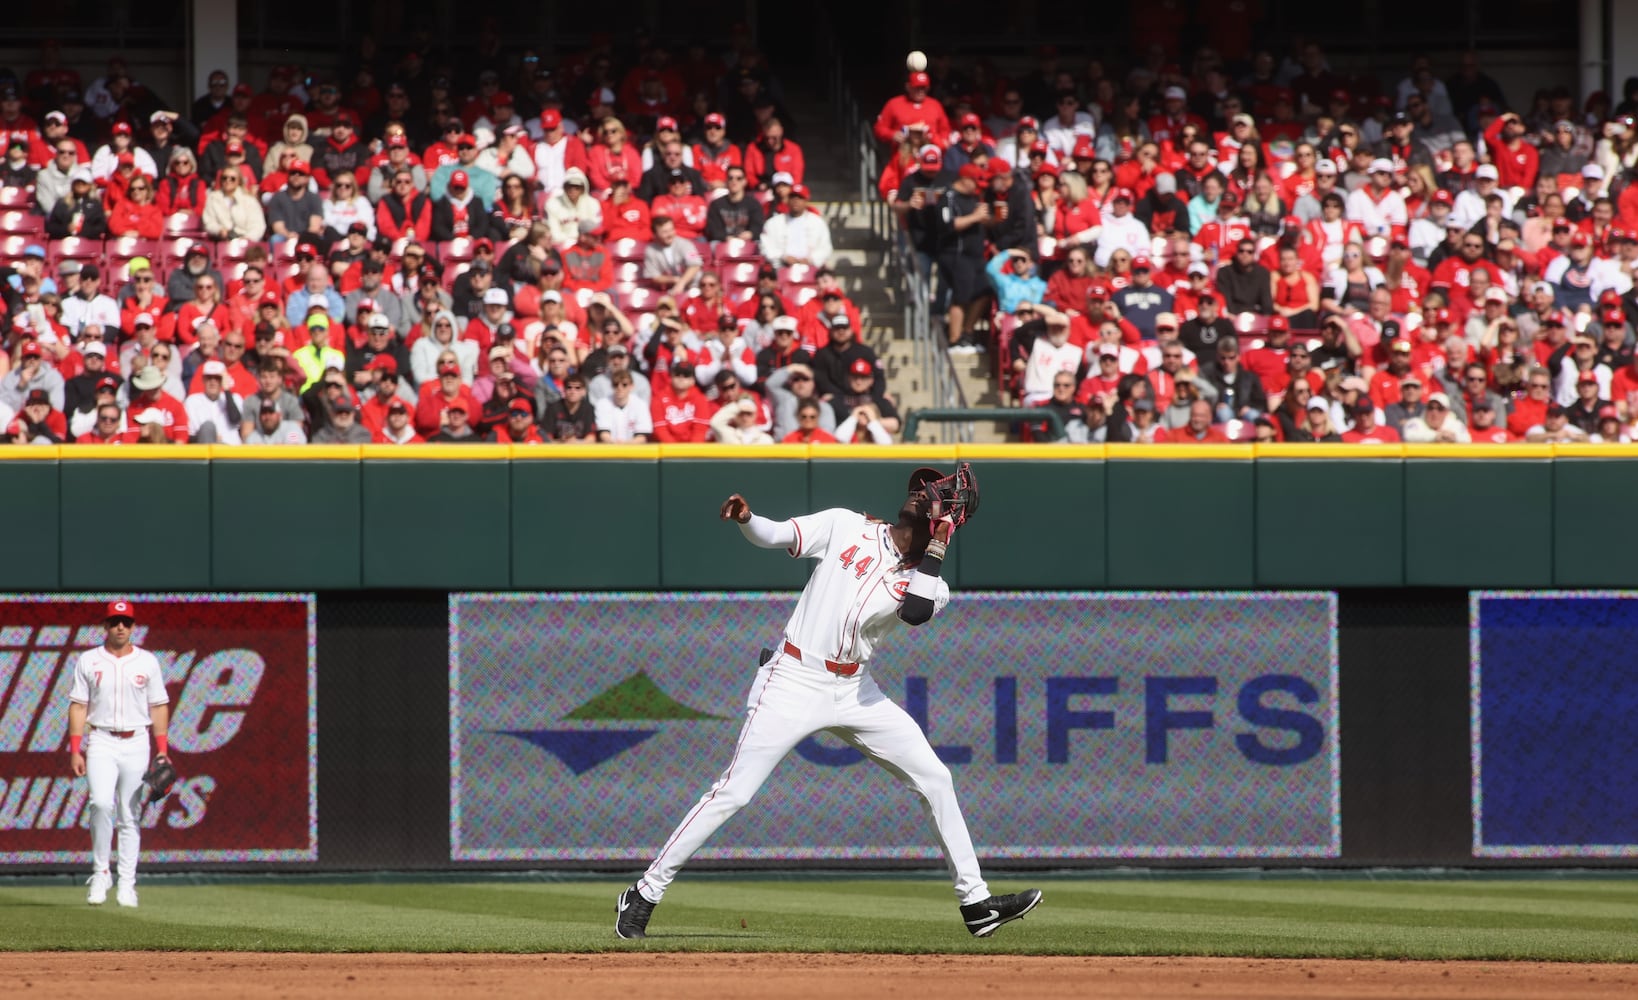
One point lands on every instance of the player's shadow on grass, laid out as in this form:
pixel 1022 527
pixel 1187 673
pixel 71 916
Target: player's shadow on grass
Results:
pixel 725 934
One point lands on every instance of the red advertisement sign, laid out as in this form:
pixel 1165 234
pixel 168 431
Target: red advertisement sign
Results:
pixel 240 672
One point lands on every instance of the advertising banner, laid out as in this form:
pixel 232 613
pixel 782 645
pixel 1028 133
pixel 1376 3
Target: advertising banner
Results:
pixel 1555 744
pixel 240 672
pixel 1076 725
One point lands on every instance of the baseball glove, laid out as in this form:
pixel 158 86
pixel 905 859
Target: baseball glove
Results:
pixel 160 777
pixel 957 494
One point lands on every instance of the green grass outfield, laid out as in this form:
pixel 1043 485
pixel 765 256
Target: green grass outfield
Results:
pixel 1561 919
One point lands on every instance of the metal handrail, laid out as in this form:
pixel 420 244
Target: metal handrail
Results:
pixel 1033 415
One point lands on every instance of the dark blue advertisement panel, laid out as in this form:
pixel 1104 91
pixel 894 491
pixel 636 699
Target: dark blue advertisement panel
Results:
pixel 1555 724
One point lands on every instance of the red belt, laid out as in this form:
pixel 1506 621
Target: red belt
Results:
pixel 123 734
pixel 840 669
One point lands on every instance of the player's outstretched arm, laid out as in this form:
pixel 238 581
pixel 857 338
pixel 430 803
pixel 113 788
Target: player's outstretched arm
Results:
pixel 758 530
pixel 919 597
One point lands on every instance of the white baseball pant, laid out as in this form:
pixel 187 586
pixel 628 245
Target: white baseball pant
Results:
pixel 114 769
pixel 790 701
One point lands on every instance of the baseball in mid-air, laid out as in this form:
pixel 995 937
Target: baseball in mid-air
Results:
pixel 916 61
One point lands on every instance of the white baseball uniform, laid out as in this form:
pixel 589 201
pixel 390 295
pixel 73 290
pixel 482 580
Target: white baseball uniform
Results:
pixel 850 604
pixel 117 691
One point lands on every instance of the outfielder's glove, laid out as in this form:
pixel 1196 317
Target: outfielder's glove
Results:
pixel 160 777
pixel 957 495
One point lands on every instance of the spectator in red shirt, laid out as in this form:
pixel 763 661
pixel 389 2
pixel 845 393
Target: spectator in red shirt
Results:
pixel 807 426
pixel 136 214
pixel 913 106
pixel 1199 429
pixel 773 154
pixel 687 210
pixel 1531 410
pixel 148 394
pixel 404 213
pixel 1517 161
pixel 626 217
pixel 1268 362
pixel 1366 430
pixel 680 410
pixel 1484 429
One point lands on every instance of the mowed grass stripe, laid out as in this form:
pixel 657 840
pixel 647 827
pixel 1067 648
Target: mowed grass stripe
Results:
pixel 1458 906
pixel 914 916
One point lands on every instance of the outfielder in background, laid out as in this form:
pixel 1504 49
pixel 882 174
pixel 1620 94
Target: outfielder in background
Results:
pixel 118 693
pixel 869 577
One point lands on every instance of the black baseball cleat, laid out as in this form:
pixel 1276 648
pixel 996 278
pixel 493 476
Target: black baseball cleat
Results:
pixel 984 917
pixel 631 913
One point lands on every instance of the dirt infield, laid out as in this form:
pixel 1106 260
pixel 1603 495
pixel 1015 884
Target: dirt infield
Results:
pixel 184 975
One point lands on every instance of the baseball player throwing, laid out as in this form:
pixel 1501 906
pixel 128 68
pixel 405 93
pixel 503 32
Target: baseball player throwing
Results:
pixel 868 577
pixel 118 693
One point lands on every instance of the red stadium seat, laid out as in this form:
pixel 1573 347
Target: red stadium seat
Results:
pixel 234 251
pixel 741 275
pixel 17 197
pixel 737 250
pixel 18 221
pixel 798 274
pixel 456 250
pixel 802 295
pixel 12 245
pixel 174 249
pixel 74 248
pixel 118 252
pixel 628 273
pixel 454 269
pixel 622 250
pixel 740 295
pixel 637 299
pixel 184 224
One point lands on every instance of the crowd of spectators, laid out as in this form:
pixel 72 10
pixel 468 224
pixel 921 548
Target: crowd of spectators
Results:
pixel 449 247
pixel 1259 248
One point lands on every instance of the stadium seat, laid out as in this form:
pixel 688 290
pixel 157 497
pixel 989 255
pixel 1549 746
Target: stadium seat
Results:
pixel 802 295
pixel 738 250
pixel 184 224
pixel 798 275
pixel 637 300
pixel 628 273
pixel 12 245
pixel 74 248
pixel 739 295
pixel 17 197
pixel 117 254
pixel 741 275
pixel 456 250
pixel 627 250
pixel 454 269
pixel 18 221
pixel 234 251
pixel 174 249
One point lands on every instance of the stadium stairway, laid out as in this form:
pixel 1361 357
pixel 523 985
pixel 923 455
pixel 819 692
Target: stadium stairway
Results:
pixel 863 264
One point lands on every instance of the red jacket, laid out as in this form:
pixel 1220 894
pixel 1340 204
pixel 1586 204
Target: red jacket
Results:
pixel 713 167
pixel 761 164
pixel 1515 167
pixel 688 212
pixel 584 268
pixel 183 332
pixel 182 194
pixel 627 221
pixel 603 167
pixel 127 218
pixel 176 418
pixel 680 419
pixel 397 217
pixel 429 409
pixel 901 111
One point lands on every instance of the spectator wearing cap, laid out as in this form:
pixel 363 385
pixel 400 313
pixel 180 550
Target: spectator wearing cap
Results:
pixel 1142 301
pixel 1555 427
pixel 102 423
pixel 30 374
pixel 553 149
pixel 396 427
pixel 1067 125
pixel 1583 411
pixel 1578 277
pixel 344 426
pixel 107 157
pixel 494 314
pixel 679 410
pixel 1517 161
pixel 15 170
pixel 959 234
pixel 270 425
pixel 317 354
pixel 686 209
pixel 37 421
pixel 509 156
pixel 1174 116
pixel 587 263
pixel 79 212
pixel 1609 429
pixel 483 184
pixel 785 350
pixel 80 392
pixel 567 210
pixel 800 235
pixel 147 394
pixel 1121 230
pixel 1377 207
pixel 406 211
pixel 461 214
pixel 911 107
pixel 970 143
pixel 662 178
pixel 342 149
pixel 88 304
pixel 214 412
pixel 771 154
pixel 713 155
pixel 1012 275
pixel 296 212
